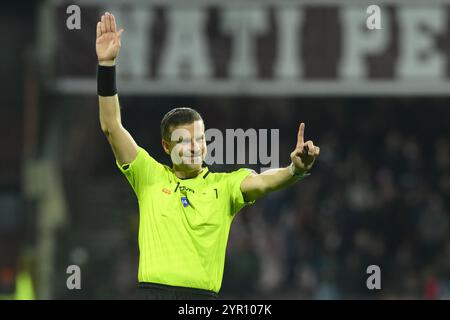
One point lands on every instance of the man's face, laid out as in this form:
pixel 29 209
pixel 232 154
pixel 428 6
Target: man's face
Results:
pixel 187 147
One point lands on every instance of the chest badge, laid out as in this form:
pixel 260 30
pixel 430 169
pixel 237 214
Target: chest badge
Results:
pixel 184 201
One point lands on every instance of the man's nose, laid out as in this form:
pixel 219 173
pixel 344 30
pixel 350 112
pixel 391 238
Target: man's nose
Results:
pixel 195 147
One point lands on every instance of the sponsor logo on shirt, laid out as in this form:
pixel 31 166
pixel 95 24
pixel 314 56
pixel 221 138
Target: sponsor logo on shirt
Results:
pixel 183 188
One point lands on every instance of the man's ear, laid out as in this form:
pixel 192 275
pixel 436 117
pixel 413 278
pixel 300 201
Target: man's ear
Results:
pixel 166 146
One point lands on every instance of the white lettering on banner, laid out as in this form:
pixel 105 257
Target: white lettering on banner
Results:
pixel 359 43
pixel 248 48
pixel 135 51
pixel 419 56
pixel 287 63
pixel 186 46
pixel 244 25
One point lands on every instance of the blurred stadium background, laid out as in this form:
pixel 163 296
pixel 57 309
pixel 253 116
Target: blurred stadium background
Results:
pixel 375 101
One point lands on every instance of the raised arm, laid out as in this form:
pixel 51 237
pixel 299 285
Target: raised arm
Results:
pixel 107 46
pixel 303 157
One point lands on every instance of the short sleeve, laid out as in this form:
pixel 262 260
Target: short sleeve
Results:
pixel 234 183
pixel 143 170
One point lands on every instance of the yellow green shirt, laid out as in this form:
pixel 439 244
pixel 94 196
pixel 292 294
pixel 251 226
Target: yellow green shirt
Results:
pixel 184 223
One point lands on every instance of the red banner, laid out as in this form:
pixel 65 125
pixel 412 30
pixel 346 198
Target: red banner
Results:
pixel 256 47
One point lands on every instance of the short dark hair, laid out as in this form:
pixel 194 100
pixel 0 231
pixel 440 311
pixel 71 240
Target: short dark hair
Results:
pixel 177 117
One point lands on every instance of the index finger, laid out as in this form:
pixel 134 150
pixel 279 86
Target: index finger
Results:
pixel 300 136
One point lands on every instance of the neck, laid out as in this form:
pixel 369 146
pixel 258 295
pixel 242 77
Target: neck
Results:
pixel 183 174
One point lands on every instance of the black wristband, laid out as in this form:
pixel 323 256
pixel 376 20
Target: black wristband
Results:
pixel 106 81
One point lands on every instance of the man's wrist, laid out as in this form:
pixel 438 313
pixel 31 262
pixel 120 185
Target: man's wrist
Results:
pixel 295 172
pixel 107 63
pixel 106 80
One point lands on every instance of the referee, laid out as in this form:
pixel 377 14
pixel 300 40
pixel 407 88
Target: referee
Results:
pixel 185 211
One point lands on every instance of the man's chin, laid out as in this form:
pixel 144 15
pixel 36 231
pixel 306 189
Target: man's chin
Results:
pixel 195 166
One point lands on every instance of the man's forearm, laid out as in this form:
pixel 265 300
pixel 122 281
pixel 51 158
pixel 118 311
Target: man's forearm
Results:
pixel 109 110
pixel 279 178
pixel 256 186
pixel 109 107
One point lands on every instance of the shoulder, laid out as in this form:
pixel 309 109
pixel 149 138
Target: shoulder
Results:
pixel 141 163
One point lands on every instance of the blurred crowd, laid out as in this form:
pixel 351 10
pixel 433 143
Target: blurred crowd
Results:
pixel 379 195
